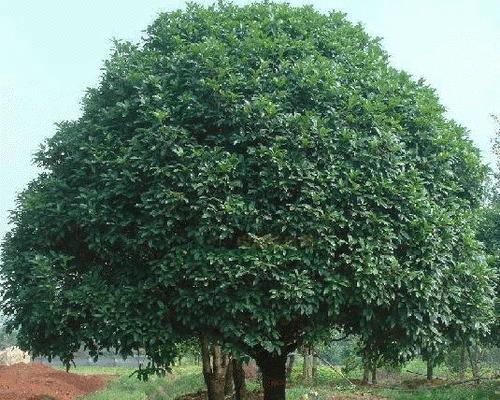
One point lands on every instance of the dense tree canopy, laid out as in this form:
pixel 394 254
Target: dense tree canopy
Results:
pixel 488 231
pixel 257 173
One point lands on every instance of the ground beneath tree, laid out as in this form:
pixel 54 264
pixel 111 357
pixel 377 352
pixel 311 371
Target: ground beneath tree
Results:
pixel 356 396
pixel 258 395
pixel 39 382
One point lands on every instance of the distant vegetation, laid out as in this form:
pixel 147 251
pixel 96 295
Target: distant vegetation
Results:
pixel 7 339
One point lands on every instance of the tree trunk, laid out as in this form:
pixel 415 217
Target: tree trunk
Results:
pixel 273 368
pixel 366 374
pixel 374 375
pixel 474 363
pixel 430 369
pixel 239 380
pixel 462 363
pixel 307 365
pixel 228 385
pixel 289 366
pixel 214 369
pixel 314 365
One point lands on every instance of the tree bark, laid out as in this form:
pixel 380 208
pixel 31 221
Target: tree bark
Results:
pixel 307 365
pixel 228 385
pixel 366 374
pixel 239 380
pixel 474 363
pixel 214 368
pixel 462 363
pixel 273 368
pixel 289 365
pixel 374 375
pixel 430 369
pixel 314 365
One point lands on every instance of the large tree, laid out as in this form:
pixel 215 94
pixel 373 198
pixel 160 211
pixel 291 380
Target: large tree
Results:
pixel 254 174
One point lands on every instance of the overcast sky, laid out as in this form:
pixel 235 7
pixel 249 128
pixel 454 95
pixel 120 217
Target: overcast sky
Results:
pixel 52 50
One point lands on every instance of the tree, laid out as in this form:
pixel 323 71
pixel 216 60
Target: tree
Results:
pixel 289 365
pixel 467 295
pixel 239 379
pixel 255 174
pixel 488 233
pixel 216 363
pixel 467 290
pixel 307 365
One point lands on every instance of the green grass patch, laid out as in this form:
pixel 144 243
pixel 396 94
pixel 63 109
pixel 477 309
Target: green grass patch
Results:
pixel 98 370
pixel 184 379
pixel 485 391
pixel 188 379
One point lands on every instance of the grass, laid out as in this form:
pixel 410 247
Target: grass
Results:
pixel 183 380
pixel 188 379
pixel 486 391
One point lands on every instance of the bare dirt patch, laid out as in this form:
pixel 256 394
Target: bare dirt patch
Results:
pixel 39 382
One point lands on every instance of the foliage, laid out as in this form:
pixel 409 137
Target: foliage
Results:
pixel 488 231
pixel 257 173
pixel 489 235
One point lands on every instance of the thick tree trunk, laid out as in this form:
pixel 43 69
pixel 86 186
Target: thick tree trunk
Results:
pixel 273 368
pixel 215 389
pixel 214 364
pixel 374 375
pixel 289 365
pixel 228 385
pixel 239 380
pixel 430 369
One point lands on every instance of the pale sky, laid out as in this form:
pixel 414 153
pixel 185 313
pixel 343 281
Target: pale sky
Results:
pixel 52 50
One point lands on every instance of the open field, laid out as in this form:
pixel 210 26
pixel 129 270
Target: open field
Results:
pixel 186 379
pixel 328 385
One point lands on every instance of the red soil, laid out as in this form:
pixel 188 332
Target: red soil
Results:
pixel 39 382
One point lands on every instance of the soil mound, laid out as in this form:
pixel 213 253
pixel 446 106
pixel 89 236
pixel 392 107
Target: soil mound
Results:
pixel 39 382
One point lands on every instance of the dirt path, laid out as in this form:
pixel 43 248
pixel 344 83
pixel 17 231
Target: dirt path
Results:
pixel 39 382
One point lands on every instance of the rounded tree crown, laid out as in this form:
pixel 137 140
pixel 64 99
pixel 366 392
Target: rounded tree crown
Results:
pixel 260 173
